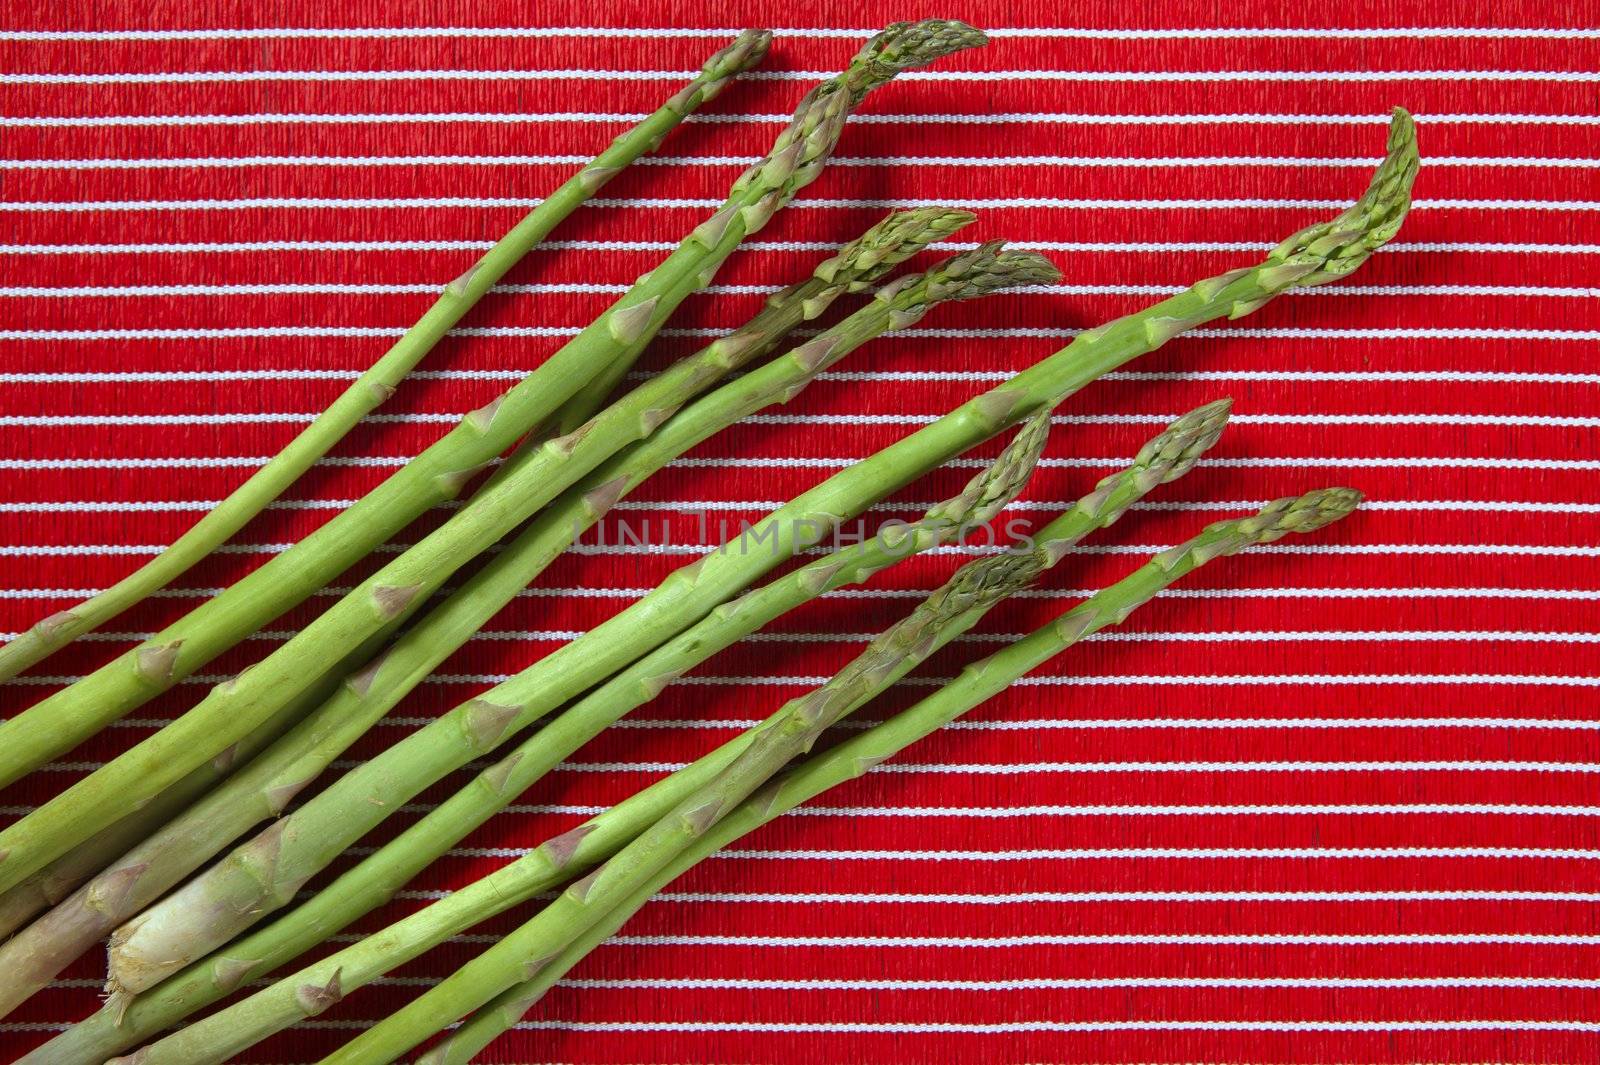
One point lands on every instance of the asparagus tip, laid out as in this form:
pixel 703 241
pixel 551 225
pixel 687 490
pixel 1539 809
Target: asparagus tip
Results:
pixel 745 51
pixel 999 483
pixel 1173 452
pixel 1330 250
pixel 907 45
pixel 1300 514
pixel 988 268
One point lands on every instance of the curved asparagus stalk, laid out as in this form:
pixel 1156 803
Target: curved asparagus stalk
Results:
pixel 1163 459
pixel 1316 254
pixel 380 380
pixel 263 874
pixel 384 600
pixel 265 787
pixel 976 684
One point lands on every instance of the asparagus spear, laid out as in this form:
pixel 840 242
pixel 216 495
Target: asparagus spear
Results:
pixel 1316 254
pixel 380 380
pixel 854 757
pixel 266 787
pixel 378 383
pixel 1163 459
pixel 263 874
pixel 383 601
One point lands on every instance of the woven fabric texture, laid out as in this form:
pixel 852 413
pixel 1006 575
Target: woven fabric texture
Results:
pixel 1334 800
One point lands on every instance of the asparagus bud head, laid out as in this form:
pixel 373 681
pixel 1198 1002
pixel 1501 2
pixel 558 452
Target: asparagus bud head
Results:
pixel 1329 250
pixel 1294 514
pixel 1299 514
pixel 985 269
pixel 906 46
pixel 1173 452
pixel 889 243
pixel 800 151
pixel 747 51
pixel 992 490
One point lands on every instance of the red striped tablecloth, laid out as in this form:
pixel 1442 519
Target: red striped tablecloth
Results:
pixel 1333 801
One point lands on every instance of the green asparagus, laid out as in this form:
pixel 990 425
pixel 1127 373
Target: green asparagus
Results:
pixel 1163 459
pixel 263 874
pixel 381 602
pixel 859 754
pixel 1315 255
pixel 267 785
pixel 690 829
pixel 375 879
pixel 380 380
pixel 282 1004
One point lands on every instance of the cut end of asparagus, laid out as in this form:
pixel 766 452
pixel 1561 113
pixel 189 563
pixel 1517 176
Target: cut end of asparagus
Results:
pixel 1330 250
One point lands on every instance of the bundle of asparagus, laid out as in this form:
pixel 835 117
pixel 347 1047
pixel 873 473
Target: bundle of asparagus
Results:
pixel 379 604
pixel 137 828
pixel 674 815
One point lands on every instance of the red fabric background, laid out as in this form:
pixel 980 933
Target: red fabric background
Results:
pixel 1431 728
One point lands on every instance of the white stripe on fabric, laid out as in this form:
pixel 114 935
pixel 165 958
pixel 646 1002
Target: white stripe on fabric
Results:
pixel 229 247
pixel 652 33
pixel 1376 118
pixel 816 203
pixel 1203 77
pixel 226 162
pixel 332 288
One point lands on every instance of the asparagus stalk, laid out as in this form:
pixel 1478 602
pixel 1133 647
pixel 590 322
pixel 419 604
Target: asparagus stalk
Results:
pixel 375 879
pixel 1315 255
pixel 383 601
pixel 378 383
pixel 281 1005
pixel 266 787
pixel 856 756
pixel 263 874
pixel 1163 459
